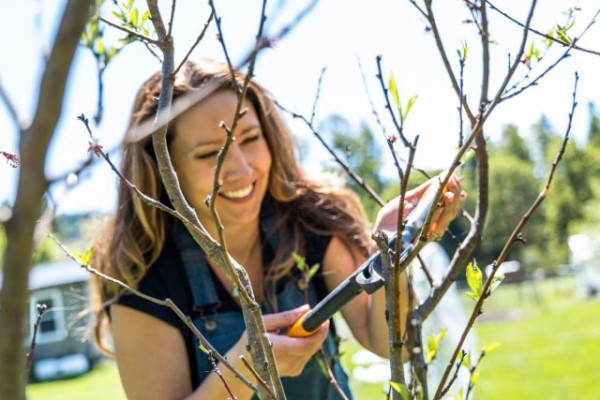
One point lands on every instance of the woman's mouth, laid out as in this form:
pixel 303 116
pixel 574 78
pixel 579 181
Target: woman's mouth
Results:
pixel 239 193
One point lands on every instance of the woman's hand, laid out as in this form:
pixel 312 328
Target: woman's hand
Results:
pixel 387 218
pixel 291 353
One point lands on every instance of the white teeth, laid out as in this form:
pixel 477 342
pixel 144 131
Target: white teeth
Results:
pixel 238 194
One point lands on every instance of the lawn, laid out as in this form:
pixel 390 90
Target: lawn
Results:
pixel 550 349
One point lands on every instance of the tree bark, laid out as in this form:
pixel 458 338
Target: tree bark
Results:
pixel 32 184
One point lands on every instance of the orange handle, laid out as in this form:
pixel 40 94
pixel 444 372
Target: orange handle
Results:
pixel 297 330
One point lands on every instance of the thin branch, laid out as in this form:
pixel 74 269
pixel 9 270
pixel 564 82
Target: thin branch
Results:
pixel 517 60
pixel 458 364
pixel 217 371
pixel 165 303
pixel 398 126
pixel 543 35
pixel 359 181
pixel 425 270
pixel 440 45
pixel 317 95
pixel 553 65
pixel 331 377
pixel 387 138
pixel 130 32
pixel 198 39
pixel 41 309
pixel 257 377
pixel 12 110
pixel 510 242
pixel 267 42
pixel 258 343
pixel 171 18
pixel 223 46
pixel 392 310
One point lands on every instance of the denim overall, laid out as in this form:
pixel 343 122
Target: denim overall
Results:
pixel 223 329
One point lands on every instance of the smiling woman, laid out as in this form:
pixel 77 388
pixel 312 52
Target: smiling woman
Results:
pixel 245 173
pixel 271 210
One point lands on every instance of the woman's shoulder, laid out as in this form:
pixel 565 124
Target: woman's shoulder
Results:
pixel 164 279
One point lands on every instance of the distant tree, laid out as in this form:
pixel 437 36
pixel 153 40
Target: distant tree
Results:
pixel 512 143
pixel 362 153
pixel 517 188
pixel 2 245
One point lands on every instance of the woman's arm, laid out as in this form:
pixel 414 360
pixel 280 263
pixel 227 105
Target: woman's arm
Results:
pixel 365 314
pixel 153 361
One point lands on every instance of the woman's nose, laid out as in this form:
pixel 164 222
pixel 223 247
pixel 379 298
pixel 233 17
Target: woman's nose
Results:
pixel 236 164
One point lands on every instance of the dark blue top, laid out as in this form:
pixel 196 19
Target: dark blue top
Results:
pixel 182 274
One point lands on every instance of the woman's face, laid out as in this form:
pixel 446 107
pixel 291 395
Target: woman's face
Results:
pixel 245 171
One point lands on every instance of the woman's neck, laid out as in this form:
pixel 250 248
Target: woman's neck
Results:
pixel 242 240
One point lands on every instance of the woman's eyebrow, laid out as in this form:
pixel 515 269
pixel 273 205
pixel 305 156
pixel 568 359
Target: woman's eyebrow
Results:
pixel 219 142
pixel 248 129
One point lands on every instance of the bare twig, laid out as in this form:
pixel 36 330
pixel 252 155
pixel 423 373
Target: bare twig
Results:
pixel 223 46
pixel 166 303
pixel 425 270
pixel 258 343
pixel 393 311
pixel 543 35
pixel 217 371
pixel 198 40
pixel 398 126
pixel 12 110
pixel 359 181
pixel 314 107
pixel 463 354
pixel 130 32
pixel 257 377
pixel 510 242
pixel 267 42
pixel 41 309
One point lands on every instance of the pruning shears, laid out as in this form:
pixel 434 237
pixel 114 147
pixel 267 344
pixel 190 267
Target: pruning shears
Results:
pixel 369 277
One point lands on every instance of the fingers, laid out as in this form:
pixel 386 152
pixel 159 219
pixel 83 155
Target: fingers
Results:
pixel 293 353
pixel 283 319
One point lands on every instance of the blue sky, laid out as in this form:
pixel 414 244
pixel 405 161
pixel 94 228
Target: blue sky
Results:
pixel 335 36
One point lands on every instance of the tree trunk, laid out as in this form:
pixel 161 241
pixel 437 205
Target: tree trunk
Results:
pixel 32 184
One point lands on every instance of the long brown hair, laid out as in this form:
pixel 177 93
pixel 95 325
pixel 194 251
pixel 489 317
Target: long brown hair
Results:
pixel 134 238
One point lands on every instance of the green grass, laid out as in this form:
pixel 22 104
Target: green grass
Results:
pixel 102 383
pixel 549 350
pixel 551 353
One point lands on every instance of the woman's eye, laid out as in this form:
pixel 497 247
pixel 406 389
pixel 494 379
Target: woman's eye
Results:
pixel 207 155
pixel 251 139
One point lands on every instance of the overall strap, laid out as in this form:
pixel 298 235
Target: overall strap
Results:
pixel 196 267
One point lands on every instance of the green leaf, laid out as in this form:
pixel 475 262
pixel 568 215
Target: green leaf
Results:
pixel 474 277
pixel 469 154
pixel 84 259
pixel 488 348
pixel 496 281
pixel 394 92
pixel 85 38
pixel 466 361
pixel 400 388
pixel 145 16
pixel 472 296
pixel 300 261
pixel 134 17
pixel 312 271
pixel 100 49
pixel 433 344
pixel 562 35
pixel 118 15
pixel 409 105
pixel 203 349
pixel 474 377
